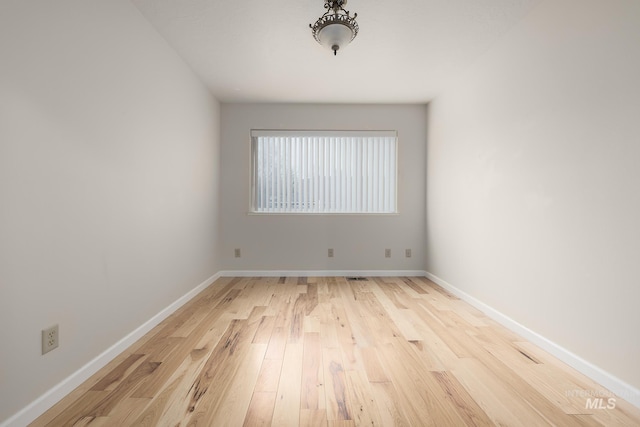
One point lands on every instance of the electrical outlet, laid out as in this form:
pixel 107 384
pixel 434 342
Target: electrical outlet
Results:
pixel 50 339
pixel 407 253
pixel 236 252
pixel 387 253
pixel 330 253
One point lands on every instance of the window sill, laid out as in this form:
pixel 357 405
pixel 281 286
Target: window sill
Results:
pixel 323 213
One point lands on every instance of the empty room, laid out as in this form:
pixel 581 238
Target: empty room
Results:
pixel 319 213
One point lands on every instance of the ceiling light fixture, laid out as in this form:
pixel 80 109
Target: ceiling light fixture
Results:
pixel 335 29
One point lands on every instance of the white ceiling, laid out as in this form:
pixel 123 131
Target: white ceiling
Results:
pixel 263 51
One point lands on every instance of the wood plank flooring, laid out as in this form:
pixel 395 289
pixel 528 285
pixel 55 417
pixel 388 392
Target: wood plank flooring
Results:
pixel 335 352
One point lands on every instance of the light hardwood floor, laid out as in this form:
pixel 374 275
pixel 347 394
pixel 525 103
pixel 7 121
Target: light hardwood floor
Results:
pixel 334 352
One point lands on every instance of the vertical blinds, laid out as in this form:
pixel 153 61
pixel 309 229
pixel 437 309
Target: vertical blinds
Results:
pixel 324 172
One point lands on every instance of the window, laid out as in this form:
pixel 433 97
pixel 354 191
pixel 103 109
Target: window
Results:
pixel 323 171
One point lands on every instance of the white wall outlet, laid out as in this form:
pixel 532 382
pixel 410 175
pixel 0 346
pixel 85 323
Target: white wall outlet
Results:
pixel 407 253
pixel 50 339
pixel 236 252
pixel 330 253
pixel 387 253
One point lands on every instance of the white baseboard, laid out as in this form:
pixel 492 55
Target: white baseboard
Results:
pixel 612 383
pixel 322 273
pixel 39 406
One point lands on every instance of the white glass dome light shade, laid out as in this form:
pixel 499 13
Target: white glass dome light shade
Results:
pixel 335 36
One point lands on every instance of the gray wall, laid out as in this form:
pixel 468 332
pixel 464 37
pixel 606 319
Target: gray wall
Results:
pixel 300 242
pixel 533 182
pixel 108 184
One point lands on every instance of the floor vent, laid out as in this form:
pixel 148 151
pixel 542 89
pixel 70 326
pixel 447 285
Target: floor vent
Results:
pixel 356 278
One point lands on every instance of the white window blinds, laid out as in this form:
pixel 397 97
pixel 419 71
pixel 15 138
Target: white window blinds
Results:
pixel 324 172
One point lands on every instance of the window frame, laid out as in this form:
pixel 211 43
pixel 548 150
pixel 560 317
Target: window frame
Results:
pixel 257 133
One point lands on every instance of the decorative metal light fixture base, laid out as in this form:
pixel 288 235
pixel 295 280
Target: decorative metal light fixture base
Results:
pixel 336 28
